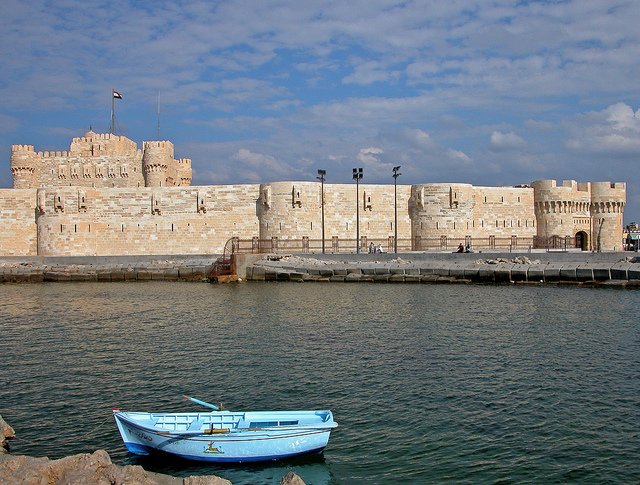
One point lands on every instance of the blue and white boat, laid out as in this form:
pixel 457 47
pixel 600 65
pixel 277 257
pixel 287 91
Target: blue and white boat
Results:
pixel 226 436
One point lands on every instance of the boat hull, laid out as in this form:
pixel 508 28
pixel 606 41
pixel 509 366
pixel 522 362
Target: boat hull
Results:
pixel 224 445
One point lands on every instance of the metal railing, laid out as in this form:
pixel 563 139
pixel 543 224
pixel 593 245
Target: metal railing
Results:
pixel 334 244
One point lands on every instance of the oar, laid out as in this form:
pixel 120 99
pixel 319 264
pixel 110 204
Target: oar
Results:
pixel 206 404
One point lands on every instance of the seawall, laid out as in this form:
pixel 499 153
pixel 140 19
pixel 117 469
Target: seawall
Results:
pixel 105 268
pixel 594 269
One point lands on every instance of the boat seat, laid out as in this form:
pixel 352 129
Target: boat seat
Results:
pixel 196 424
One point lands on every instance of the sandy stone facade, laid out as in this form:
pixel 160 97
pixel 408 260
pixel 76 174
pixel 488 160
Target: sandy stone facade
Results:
pixel 100 160
pixel 106 197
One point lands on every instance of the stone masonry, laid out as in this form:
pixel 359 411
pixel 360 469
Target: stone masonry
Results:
pixel 106 197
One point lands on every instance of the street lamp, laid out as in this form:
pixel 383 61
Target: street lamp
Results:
pixel 321 174
pixel 396 174
pixel 357 175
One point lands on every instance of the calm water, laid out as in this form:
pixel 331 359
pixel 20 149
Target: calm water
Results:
pixel 430 384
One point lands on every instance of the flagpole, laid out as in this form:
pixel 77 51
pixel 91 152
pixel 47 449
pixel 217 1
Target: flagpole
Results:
pixel 158 115
pixel 113 112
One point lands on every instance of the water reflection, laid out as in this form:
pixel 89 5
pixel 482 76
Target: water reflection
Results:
pixel 312 468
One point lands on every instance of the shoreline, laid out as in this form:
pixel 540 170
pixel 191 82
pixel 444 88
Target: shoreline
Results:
pixel 95 467
pixel 614 269
pixel 574 267
pixel 111 269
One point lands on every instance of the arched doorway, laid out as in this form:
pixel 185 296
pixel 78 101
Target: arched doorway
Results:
pixel 582 240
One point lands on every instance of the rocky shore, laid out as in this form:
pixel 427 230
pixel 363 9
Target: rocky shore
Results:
pixel 90 469
pixel 620 271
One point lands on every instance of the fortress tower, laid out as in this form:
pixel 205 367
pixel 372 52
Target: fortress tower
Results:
pixel 289 210
pixel 607 207
pixel 564 210
pixel 156 158
pixel 23 166
pixel 438 210
pixel 590 212
pixel 183 172
pixel 100 160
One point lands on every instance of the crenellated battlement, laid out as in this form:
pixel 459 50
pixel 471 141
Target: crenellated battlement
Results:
pixel 21 148
pixel 157 144
pixel 53 154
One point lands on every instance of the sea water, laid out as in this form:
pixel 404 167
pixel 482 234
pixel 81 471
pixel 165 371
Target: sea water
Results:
pixel 430 384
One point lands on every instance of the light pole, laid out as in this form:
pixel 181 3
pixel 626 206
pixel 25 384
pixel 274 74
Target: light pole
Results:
pixel 357 175
pixel 321 174
pixel 396 174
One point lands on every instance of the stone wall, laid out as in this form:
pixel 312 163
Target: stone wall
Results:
pixel 175 220
pixel 504 212
pixel 18 236
pixel 292 210
pixel 461 210
pixel 94 221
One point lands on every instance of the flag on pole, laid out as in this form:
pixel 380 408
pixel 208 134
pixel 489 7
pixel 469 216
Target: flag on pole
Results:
pixel 117 95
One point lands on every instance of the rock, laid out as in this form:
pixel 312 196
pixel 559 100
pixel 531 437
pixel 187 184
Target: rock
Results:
pixel 208 480
pixel 87 469
pixel 6 433
pixel 291 479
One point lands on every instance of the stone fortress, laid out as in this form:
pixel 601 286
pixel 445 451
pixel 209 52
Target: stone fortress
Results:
pixel 107 197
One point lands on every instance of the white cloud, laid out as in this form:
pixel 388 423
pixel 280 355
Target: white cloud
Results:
pixel 506 141
pixel 612 131
pixel 369 155
pixel 255 166
pixel 458 156
pixel 417 138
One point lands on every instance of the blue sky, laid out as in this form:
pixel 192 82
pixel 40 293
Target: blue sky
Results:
pixel 499 92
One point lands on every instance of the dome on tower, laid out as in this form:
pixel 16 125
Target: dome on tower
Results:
pixel 90 133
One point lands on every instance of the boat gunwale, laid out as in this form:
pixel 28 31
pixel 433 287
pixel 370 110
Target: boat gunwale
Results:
pixel 186 434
